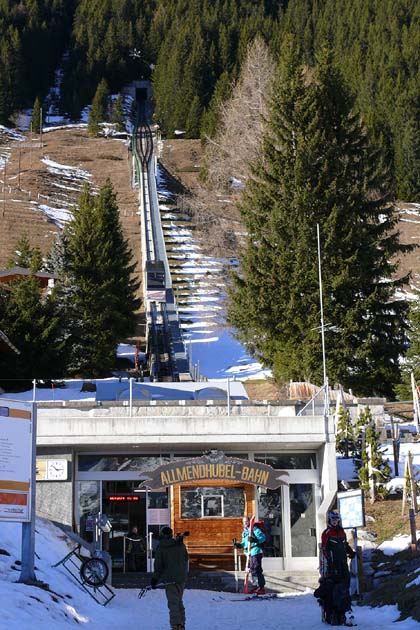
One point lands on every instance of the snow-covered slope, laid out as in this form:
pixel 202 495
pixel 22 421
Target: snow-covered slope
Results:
pixel 66 605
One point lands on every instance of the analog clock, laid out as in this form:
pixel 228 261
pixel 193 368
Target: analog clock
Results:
pixel 57 469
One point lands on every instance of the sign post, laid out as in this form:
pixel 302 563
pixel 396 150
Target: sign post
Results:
pixel 352 511
pixel 17 475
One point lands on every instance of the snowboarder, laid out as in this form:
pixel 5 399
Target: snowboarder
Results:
pixel 171 567
pixel 252 545
pixel 333 591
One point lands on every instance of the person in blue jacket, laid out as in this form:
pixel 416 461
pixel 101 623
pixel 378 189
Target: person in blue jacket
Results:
pixel 253 544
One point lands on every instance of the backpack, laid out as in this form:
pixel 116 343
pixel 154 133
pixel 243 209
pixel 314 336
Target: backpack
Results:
pixel 337 556
pixel 261 526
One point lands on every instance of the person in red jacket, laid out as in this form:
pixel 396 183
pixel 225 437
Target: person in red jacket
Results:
pixel 335 549
pixel 333 591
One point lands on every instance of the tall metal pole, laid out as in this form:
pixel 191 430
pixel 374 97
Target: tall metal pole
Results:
pixel 4 188
pixel 19 169
pixel 27 572
pixel 324 366
pixel 30 148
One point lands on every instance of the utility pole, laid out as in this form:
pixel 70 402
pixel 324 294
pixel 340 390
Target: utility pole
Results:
pixel 30 148
pixel 40 127
pixel 19 168
pixel 4 188
pixel 324 366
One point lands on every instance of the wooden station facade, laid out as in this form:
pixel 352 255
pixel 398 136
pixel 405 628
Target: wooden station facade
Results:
pixel 210 539
pixel 209 496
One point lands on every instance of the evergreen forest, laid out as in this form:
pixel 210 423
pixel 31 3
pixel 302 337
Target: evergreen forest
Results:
pixel 192 50
pixel 327 95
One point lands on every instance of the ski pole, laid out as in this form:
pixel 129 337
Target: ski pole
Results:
pixel 145 589
pixel 235 560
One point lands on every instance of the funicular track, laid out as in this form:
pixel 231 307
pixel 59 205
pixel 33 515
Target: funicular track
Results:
pixel 166 352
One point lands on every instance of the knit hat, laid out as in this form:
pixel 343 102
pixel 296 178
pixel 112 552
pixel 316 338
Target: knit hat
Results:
pixel 166 532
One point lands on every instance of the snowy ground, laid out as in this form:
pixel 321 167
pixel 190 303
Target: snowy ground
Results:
pixel 28 608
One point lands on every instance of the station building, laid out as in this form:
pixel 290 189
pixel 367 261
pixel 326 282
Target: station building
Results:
pixel 198 461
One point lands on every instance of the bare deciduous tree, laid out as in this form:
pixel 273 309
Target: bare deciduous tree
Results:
pixel 228 155
pixel 238 141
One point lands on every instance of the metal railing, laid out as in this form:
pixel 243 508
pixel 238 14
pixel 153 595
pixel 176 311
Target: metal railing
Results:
pixel 311 404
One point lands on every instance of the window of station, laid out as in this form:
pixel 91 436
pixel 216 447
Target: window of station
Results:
pixel 287 461
pixel 212 502
pixel 269 510
pixel 303 520
pixel 89 505
pixel 194 455
pixel 187 455
pixel 158 500
pixel 119 463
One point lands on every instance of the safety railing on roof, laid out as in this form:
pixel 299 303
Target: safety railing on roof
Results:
pixel 322 397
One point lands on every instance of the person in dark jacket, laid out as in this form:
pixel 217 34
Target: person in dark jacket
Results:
pixel 333 591
pixel 171 568
pixel 136 550
pixel 253 545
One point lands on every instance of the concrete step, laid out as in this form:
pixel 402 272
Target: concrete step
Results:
pixel 276 582
pixel 209 581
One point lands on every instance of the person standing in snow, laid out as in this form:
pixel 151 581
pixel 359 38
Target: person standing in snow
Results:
pixel 171 568
pixel 252 544
pixel 335 549
pixel 333 591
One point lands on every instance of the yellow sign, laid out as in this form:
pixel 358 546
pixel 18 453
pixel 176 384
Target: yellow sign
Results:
pixel 41 470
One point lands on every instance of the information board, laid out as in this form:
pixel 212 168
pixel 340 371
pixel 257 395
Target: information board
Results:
pixel 16 421
pixel 351 508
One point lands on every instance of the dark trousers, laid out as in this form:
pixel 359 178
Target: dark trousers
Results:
pixel 255 566
pixel 134 561
pixel 174 594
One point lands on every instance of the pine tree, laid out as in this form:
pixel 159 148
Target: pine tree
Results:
pixel 344 439
pixel 192 128
pixel 407 156
pixel 4 110
pixel 97 289
pixel 118 117
pixel 99 109
pixel 372 460
pixel 317 167
pixel 33 323
pixel 36 116
pixel 412 358
pixel 25 256
pixel 211 117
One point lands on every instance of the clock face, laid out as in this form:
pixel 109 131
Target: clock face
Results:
pixel 57 469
